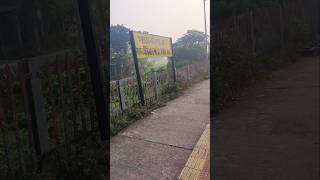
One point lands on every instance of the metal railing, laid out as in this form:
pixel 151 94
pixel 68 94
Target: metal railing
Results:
pixel 124 93
pixel 46 104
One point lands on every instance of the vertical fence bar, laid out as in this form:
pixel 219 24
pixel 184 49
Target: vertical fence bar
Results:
pixel 188 72
pixel 36 109
pixel 5 139
pixel 122 103
pixel 92 111
pixel 174 73
pixel 69 95
pixel 23 77
pixel 73 98
pixel 252 34
pixel 62 97
pixel 155 89
pixel 80 105
pixel 247 32
pixel 174 64
pixel 281 28
pixel 15 120
pixel 53 104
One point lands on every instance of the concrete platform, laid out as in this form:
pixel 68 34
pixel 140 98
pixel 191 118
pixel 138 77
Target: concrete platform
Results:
pixel 158 146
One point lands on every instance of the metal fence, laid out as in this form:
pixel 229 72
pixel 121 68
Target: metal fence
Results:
pixel 250 44
pixel 124 93
pixel 263 30
pixel 16 150
pixel 46 104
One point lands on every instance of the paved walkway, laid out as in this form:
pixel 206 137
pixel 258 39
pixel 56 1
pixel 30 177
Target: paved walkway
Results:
pixel 272 131
pixel 198 164
pixel 158 146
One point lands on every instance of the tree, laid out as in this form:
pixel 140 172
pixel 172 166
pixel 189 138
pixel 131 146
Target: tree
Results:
pixel 119 38
pixel 121 65
pixel 190 47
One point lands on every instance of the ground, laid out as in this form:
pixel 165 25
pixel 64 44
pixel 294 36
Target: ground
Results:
pixel 272 130
pixel 158 146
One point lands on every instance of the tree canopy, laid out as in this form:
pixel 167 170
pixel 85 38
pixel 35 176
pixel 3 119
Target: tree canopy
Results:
pixel 119 38
pixel 120 57
pixel 190 47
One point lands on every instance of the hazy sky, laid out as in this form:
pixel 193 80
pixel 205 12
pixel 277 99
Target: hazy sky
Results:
pixel 170 18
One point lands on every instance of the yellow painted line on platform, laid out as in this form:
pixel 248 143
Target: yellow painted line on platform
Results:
pixel 197 158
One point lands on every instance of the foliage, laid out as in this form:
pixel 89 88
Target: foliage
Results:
pixel 190 47
pixel 119 38
pixel 234 68
pixel 131 116
pixel 84 160
pixel 121 63
pixel 138 112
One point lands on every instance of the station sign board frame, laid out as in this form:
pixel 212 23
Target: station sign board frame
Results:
pixel 152 46
pixel 143 46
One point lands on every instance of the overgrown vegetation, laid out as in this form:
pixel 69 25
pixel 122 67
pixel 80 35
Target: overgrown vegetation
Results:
pixel 86 159
pixel 52 25
pixel 138 112
pixel 235 62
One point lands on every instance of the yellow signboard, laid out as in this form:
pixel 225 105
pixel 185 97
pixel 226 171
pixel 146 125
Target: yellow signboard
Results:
pixel 151 46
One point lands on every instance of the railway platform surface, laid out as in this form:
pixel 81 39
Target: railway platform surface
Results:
pixel 158 146
pixel 271 131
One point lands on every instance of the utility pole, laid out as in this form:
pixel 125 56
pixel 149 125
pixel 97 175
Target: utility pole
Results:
pixel 205 27
pixel 206 34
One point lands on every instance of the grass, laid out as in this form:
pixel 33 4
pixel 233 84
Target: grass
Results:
pixel 235 71
pixel 86 159
pixel 138 112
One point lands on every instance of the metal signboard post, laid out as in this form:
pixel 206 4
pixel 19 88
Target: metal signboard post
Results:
pixel 149 46
pixel 136 64
pixel 173 66
pixel 94 63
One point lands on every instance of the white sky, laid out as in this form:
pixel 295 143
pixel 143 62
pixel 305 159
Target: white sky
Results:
pixel 170 18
